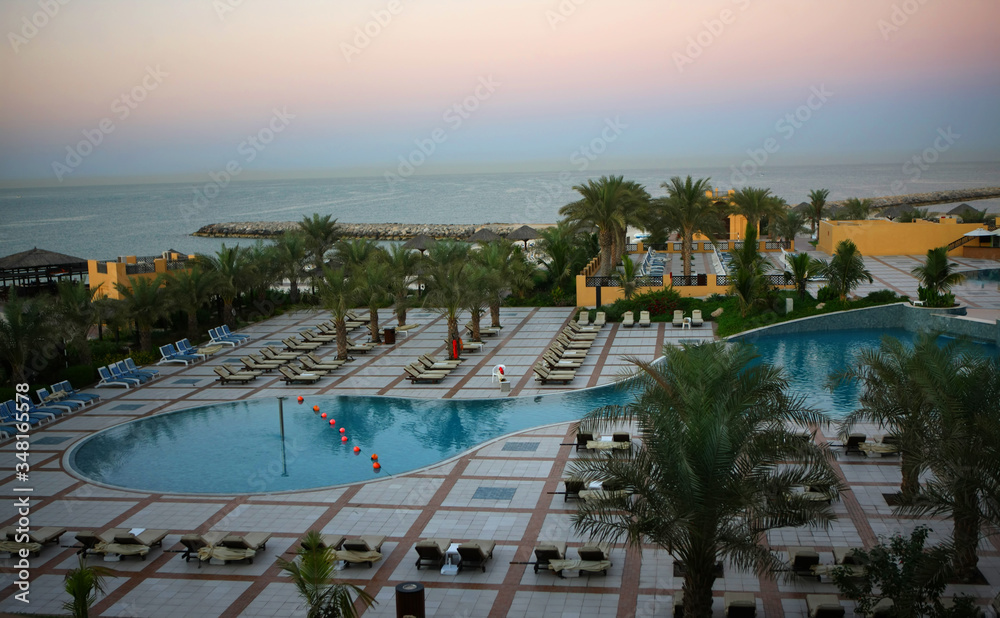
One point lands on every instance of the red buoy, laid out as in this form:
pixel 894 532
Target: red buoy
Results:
pixel 323 415
pixel 331 423
pixel 315 408
pixel 344 439
pixel 374 457
pixel 301 399
pixel 376 466
pixel 357 449
pixel 342 430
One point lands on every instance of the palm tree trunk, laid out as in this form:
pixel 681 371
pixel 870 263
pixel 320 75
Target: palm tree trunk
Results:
pixel 965 517
pixel 293 289
pixel 686 240
pixel 495 314
pixel 145 338
pixel 453 335
pixel 340 325
pixel 476 336
pixel 605 241
pixel 401 310
pixel 227 312
pixel 192 315
pixel 698 593
pixel 373 324
pixel 910 484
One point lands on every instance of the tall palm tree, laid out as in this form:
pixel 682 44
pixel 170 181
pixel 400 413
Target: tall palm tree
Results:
pixel 373 279
pixel 232 272
pixel 963 453
pixel 817 200
pixel 563 253
pixel 689 210
pixel 338 293
pixel 788 225
pixel 263 269
pixel 77 315
pixel 403 264
pixel 937 276
pixel 290 255
pixel 25 327
pixel 891 398
pixel 505 270
pixel 143 300
pixel 715 469
pixel 444 274
pixel 756 203
pixel 478 286
pixel 353 253
pixel 608 205
pixel 320 236
pixel 312 572
pixel 846 269
pixel 801 268
pixel 856 209
pixel 189 291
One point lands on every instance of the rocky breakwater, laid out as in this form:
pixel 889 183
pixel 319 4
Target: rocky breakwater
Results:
pixel 933 197
pixel 375 231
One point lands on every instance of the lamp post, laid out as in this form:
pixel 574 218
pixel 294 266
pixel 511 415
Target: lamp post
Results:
pixel 281 422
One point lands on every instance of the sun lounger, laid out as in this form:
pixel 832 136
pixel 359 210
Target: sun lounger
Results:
pixel 153 373
pixel 475 554
pixel 9 415
pixel 644 319
pixel 54 401
pixel 261 366
pixel 696 319
pixel 415 375
pixel 108 379
pixel 573 489
pixel 571 344
pixel 228 333
pixel 309 365
pixel 547 551
pixel 628 320
pixel 802 559
pixel 432 552
pixel 31 541
pixel 362 549
pixel 472 346
pixel 740 605
pixel 583 439
pixel 122 373
pixel 227 376
pixel 366 346
pixel 824 606
pixel 846 555
pixel 854 442
pixel 331 541
pixel 194 543
pixel 274 354
pixel 601 319
pixel 120 542
pixel 595 552
pixel 218 337
pixel 678 320
pixel 544 375
pixel 435 361
pixel 171 355
pixel 184 347
pixel 556 363
pixel 251 540
pixel 584 318
pixel 290 377
pixel 431 366
pixel 678 604
pixel 66 387
pixel 310 336
pixel 575 333
pixel 294 345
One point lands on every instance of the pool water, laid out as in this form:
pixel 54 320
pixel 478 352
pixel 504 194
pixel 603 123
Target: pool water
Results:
pixel 986 274
pixel 237 448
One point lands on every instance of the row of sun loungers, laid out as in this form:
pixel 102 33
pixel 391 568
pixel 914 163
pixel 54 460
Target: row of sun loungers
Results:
pixel 126 374
pixel 628 320
pixel 695 320
pixel 185 354
pixel 428 369
pixel 561 360
pixel 223 336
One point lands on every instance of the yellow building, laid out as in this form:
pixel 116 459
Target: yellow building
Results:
pixel 881 237
pixel 107 274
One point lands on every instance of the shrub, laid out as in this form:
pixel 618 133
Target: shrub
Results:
pixel 825 294
pixel 932 298
pixel 883 296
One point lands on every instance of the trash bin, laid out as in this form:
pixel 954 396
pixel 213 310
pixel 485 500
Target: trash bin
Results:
pixel 389 335
pixel 410 600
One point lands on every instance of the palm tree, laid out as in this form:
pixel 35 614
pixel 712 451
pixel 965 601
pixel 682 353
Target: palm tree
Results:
pixel 477 292
pixel 445 279
pixel 143 301
pixel 688 209
pixel 755 203
pixel 232 272
pixel 564 255
pixel 505 270
pixel 962 452
pixel 817 200
pixel 83 584
pixel 320 235
pixel 291 254
pixel 338 292
pixel 855 209
pixel 802 268
pixel 263 269
pixel 607 204
pixel 627 279
pixel 891 398
pixel 189 291
pixel 749 283
pixel 77 314
pixel 25 327
pixel 846 269
pixel 715 469
pixel 313 571
pixel 372 281
pixel 937 276
pixel 788 225
pixel 354 252
pixel 403 265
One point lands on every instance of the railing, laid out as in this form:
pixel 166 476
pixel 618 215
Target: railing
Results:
pixel 770 279
pixel 176 265
pixel 690 280
pixel 102 268
pixel 632 247
pixel 659 246
pixel 140 268
pixel 647 281
pixel 777 244
pixel 964 239
pixel 147 259
pixel 722 245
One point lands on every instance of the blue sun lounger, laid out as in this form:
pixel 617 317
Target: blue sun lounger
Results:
pixel 66 387
pixel 8 414
pixel 134 369
pixel 184 347
pixel 228 333
pixel 119 371
pixel 61 396
pixel 66 403
pixel 170 355
pixel 109 380
pixel 218 336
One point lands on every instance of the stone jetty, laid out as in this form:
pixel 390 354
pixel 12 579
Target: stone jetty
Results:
pixel 932 198
pixel 375 231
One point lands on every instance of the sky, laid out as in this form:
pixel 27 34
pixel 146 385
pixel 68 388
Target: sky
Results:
pixel 174 88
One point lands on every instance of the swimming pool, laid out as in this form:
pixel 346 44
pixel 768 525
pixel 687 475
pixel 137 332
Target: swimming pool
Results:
pixel 236 448
pixel 983 275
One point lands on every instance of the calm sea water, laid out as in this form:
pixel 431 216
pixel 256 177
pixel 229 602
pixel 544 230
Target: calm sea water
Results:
pixel 103 222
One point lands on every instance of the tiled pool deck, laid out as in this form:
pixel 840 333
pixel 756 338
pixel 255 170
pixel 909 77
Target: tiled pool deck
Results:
pixel 499 490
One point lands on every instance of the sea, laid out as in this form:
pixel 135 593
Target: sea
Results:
pixel 104 222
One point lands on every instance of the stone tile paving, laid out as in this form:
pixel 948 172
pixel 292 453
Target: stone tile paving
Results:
pixel 503 490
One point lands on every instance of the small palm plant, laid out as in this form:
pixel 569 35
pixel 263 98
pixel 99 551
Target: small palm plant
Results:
pixel 937 276
pixel 846 269
pixel 801 268
pixel 627 278
pixel 83 584
pixel 312 573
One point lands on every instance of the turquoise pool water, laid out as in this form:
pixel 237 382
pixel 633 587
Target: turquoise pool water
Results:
pixel 236 447
pixel 985 274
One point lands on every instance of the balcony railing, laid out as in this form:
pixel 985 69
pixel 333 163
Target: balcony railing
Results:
pixel 140 268
pixel 648 281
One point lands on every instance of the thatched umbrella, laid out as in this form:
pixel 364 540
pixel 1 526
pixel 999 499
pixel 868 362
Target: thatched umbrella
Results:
pixel 803 208
pixel 524 233
pixel 484 235
pixel 963 210
pixel 420 242
pixel 36 258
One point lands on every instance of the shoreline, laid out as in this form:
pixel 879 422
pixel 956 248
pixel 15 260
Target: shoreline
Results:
pixel 374 231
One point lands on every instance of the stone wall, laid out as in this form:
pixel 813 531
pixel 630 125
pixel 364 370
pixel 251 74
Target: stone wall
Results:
pixel 376 231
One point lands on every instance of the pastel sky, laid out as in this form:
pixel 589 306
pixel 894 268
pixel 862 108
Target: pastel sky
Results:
pixel 694 82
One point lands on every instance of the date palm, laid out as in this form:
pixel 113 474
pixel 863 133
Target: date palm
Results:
pixel 312 573
pixel 189 291
pixel 937 275
pixel 338 293
pixel 373 278
pixel 817 200
pixel 748 273
pixel 801 268
pixel 444 275
pixel 563 252
pixel 505 270
pixel 291 253
pixel 403 265
pixel 856 209
pixel 715 469
pixel 788 225
pixel 320 236
pixel 232 268
pixel 77 315
pixel 354 252
pixel 756 203
pixel 689 210
pixel 477 293
pixel 846 269
pixel 144 301
pixel 26 327
pixel 608 205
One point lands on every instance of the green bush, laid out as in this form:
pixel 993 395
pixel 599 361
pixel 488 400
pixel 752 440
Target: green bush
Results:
pixel 935 299
pixel 825 294
pixel 884 296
